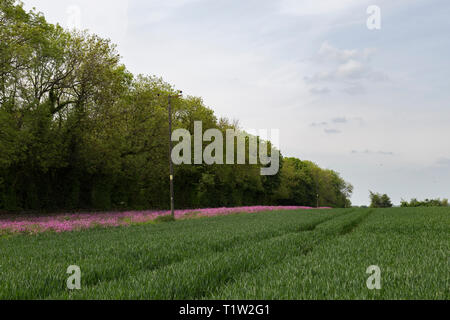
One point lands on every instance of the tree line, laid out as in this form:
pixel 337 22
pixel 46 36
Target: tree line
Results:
pixel 378 200
pixel 425 203
pixel 79 131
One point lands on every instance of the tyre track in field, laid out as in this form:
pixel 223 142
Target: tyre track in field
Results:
pixel 215 269
pixel 326 236
pixel 95 278
pixel 355 224
pixel 237 241
pixel 299 251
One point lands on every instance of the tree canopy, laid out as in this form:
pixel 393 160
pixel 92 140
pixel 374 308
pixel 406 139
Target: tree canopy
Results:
pixel 378 200
pixel 79 131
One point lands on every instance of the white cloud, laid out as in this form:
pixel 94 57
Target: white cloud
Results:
pixel 444 162
pixel 158 10
pixel 340 120
pixel 315 124
pixel 329 52
pixel 348 67
pixel 354 90
pixel 319 91
pixel 332 131
pixel 351 69
pixel 316 7
pixel 369 152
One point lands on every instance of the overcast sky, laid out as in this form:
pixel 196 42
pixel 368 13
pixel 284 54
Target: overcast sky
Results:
pixel 373 105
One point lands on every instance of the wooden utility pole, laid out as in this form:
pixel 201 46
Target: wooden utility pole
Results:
pixel 172 203
pixel 172 206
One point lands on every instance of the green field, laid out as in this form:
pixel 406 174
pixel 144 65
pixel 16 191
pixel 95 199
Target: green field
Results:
pixel 270 255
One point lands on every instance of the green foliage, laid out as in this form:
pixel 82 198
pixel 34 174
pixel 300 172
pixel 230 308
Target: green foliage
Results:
pixel 305 183
pixel 378 200
pixel 101 193
pixel 78 130
pixel 426 203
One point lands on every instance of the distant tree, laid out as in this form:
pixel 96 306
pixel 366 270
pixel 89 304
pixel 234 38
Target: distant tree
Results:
pixel 375 200
pixel 386 201
pixel 426 203
pixel 378 200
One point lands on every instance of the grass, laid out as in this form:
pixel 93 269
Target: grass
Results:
pixel 269 255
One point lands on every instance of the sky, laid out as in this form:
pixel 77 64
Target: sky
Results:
pixel 370 103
